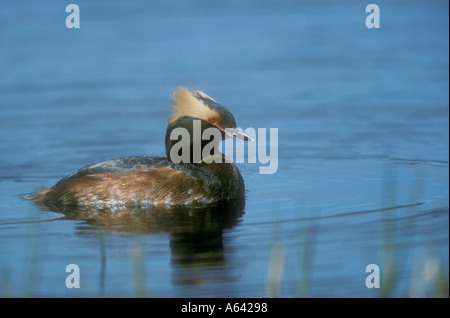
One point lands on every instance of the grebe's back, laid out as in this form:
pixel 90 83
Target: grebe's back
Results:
pixel 145 180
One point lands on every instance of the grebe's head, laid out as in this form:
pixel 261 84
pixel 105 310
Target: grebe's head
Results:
pixel 196 104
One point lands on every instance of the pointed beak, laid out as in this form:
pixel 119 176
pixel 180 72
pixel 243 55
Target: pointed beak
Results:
pixel 238 133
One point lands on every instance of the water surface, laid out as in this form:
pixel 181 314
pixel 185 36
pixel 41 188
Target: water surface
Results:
pixel 363 125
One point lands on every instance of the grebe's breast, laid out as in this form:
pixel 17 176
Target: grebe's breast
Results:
pixel 145 180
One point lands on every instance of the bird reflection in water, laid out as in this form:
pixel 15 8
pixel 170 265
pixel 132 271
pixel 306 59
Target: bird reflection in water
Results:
pixel 196 240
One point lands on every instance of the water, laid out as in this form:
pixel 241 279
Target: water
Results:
pixel 363 122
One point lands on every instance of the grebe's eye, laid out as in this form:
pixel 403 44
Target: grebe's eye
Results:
pixel 211 120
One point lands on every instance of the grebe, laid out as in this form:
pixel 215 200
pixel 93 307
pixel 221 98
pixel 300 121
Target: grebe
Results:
pixel 159 181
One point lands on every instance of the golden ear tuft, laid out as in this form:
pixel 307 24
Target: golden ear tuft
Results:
pixel 185 104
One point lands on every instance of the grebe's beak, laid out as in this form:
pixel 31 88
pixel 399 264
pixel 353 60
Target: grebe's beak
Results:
pixel 238 133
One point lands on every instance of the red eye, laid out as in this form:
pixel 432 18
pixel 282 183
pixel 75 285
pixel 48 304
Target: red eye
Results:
pixel 212 120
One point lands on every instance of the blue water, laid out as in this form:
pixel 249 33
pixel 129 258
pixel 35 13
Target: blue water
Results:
pixel 363 126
